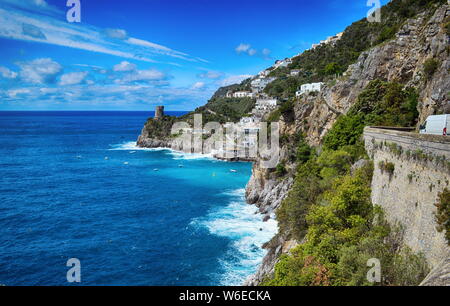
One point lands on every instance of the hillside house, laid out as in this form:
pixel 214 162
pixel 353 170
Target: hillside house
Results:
pixel 282 63
pixel 312 87
pixel 240 94
pixel 259 84
pixel 266 104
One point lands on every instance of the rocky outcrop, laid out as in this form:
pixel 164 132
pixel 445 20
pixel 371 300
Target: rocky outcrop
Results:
pixel 276 247
pixel 439 276
pixel 145 142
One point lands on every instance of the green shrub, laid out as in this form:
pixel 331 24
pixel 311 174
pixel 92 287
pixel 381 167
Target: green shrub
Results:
pixel 304 151
pixel 443 213
pixel 287 110
pixel 447 27
pixel 274 116
pixel 388 32
pixel 347 130
pixel 430 66
pixel 333 68
pixel 387 167
pixel 291 215
pixel 334 163
pixel 280 170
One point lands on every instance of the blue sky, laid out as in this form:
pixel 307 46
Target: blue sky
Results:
pixel 135 54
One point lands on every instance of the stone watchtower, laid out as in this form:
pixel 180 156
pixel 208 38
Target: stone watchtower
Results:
pixel 159 112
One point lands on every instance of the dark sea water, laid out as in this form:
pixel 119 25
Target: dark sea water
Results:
pixel 73 185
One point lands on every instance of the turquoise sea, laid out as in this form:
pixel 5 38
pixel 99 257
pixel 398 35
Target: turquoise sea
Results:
pixel 73 185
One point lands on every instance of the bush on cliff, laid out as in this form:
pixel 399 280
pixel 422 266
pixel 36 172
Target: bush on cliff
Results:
pixel 430 66
pixel 443 213
pixel 380 103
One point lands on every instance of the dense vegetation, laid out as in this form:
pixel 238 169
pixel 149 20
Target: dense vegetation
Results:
pixel 381 103
pixel 329 207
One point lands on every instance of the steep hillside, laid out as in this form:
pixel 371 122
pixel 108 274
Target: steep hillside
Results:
pixel 398 82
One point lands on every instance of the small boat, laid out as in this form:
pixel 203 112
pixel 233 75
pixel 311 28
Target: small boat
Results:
pixel 232 170
pixel 180 166
pixel 132 152
pixel 155 169
pixel 126 163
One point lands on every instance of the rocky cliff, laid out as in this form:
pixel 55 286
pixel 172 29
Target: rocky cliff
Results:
pixel 401 59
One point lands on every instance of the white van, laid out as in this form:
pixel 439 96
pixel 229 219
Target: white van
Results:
pixel 436 125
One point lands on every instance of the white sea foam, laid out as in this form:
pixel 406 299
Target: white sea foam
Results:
pixel 131 146
pixel 182 155
pixel 240 223
pixel 178 155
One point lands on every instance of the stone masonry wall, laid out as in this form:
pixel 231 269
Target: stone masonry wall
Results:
pixel 408 193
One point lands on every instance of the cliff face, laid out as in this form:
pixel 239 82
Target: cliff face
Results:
pixel 401 59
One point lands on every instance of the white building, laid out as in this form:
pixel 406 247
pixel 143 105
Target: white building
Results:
pixel 247 120
pixel 284 63
pixel 264 73
pixel 295 72
pixel 305 88
pixel 240 94
pixel 266 104
pixel 330 39
pixel 259 84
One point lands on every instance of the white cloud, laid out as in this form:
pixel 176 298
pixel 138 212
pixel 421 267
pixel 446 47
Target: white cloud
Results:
pixel 143 75
pixel 7 74
pixel 72 78
pixel 234 79
pixel 13 93
pixel 211 75
pixel 266 52
pixel 125 66
pixel 251 52
pixel 45 90
pixel 33 31
pixel 247 49
pixel 49 29
pixel 39 71
pixel 117 33
pixel 198 85
pixel 243 48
